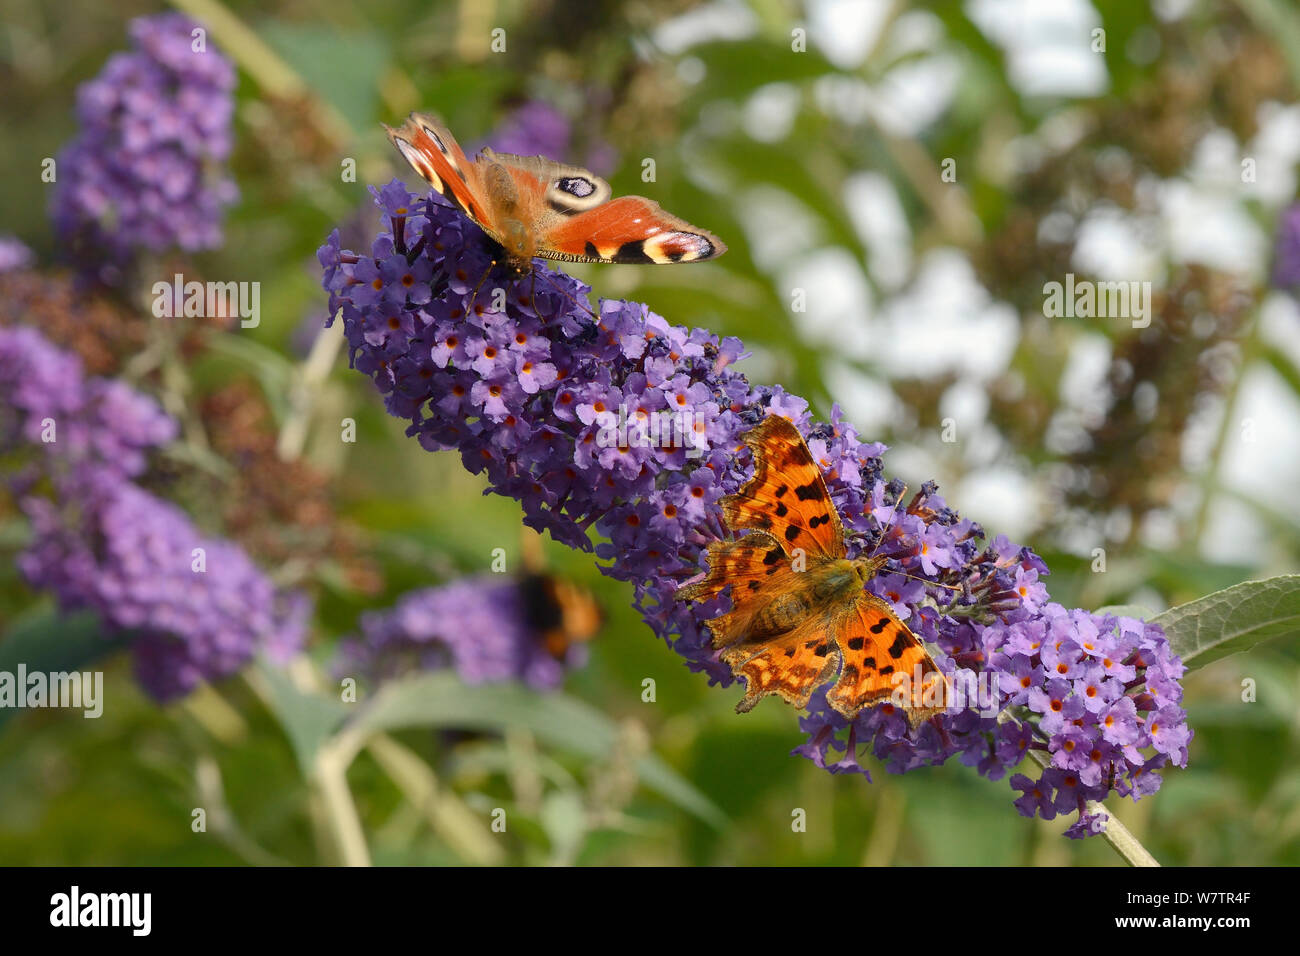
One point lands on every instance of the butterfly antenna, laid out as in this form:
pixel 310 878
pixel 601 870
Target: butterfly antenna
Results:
pixel 901 495
pixel 474 296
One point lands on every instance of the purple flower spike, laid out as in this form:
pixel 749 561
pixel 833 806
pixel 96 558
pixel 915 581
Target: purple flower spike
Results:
pixel 195 607
pixel 480 627
pixel 576 412
pixel 146 170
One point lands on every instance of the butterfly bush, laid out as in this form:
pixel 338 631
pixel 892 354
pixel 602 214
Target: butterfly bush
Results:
pixel 476 626
pixel 523 383
pixel 146 170
pixel 74 448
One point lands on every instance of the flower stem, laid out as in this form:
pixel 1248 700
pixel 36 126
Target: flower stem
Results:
pixel 1117 835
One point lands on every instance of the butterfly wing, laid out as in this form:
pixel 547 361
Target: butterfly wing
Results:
pixel 770 641
pixel 630 229
pixel 876 646
pixel 434 153
pixel 755 567
pixel 787 496
pixel 790 665
pixel 575 220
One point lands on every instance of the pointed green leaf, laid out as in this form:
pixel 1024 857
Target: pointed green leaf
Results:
pixel 1233 620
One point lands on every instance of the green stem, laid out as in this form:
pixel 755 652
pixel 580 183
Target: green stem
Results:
pixel 1116 833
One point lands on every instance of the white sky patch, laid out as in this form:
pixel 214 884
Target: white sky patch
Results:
pixel 915 31
pixel 1083 382
pixel 913 95
pixel 774 223
pixel 1199 433
pixel 1262 455
pixel 720 20
pixel 1083 393
pixel 770 112
pixel 966 403
pixel 868 403
pixel 1001 498
pixel 1279 324
pixel 845 98
pixel 1216 161
pixel 846 30
pixel 878 218
pixel 1276 150
pixel 947 321
pixel 1234 534
pixel 1113 245
pixel 1048 45
pixel 1211 229
pixel 837 301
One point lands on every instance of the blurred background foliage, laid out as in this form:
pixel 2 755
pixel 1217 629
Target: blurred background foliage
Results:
pixel 824 172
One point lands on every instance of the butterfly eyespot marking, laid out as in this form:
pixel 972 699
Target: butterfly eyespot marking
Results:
pixel 672 247
pixel 574 194
pixel 879 626
pixel 576 186
pixel 900 644
pixel 857 643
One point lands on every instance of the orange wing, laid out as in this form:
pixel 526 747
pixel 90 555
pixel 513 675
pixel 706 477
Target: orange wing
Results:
pixel 776 648
pixel 791 664
pixel 756 569
pixel 786 497
pixel 627 229
pixel 434 153
pixel 877 647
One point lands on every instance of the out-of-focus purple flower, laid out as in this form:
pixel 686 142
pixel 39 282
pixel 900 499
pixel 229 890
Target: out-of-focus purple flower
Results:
pixel 477 626
pixel 146 170
pixel 87 428
pixel 1286 255
pixel 534 129
pixel 195 607
pixel 456 369
pixel 14 255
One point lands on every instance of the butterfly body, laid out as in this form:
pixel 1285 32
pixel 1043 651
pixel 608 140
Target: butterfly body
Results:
pixel 800 612
pixel 534 206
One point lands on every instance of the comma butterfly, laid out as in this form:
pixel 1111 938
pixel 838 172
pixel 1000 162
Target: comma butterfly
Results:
pixel 533 206
pixel 800 614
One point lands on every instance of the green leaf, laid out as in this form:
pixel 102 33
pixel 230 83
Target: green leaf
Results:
pixel 308 719
pixel 441 700
pixel 1233 620
pixel 342 67
pixel 48 641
